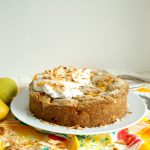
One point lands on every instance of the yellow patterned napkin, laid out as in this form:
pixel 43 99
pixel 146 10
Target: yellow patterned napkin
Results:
pixel 15 135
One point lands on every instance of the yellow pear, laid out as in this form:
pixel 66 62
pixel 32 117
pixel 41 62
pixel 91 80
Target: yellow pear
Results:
pixel 8 89
pixel 4 109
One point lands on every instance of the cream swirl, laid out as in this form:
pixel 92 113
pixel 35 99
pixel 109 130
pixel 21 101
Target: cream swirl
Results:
pixel 62 82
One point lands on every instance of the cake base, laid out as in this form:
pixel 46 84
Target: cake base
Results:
pixel 85 113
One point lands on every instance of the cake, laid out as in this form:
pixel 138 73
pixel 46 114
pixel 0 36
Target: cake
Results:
pixel 71 96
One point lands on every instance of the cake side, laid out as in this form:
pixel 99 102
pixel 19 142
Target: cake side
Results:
pixel 85 111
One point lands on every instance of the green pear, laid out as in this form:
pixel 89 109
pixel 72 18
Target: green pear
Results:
pixel 8 89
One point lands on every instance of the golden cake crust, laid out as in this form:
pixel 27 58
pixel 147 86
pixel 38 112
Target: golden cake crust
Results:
pixel 85 111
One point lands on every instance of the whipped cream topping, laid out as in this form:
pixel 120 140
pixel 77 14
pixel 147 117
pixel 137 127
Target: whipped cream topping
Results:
pixel 62 82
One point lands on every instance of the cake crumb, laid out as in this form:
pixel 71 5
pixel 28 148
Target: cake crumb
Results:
pixel 76 127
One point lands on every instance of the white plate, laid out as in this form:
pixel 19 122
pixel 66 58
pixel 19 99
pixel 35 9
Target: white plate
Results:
pixel 19 108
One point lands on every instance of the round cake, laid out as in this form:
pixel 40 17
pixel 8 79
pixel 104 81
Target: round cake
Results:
pixel 71 96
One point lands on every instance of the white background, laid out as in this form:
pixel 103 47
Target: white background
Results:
pixel 40 34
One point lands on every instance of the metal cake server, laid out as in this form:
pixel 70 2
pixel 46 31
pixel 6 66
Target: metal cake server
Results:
pixel 147 101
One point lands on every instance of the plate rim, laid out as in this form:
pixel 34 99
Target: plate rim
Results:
pixel 68 129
